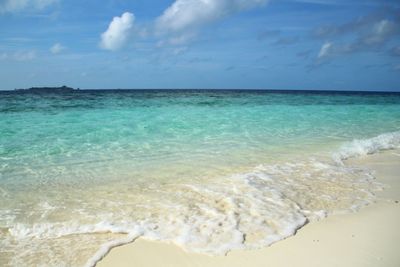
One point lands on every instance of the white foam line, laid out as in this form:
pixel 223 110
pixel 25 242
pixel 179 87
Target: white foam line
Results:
pixel 364 147
pixel 106 248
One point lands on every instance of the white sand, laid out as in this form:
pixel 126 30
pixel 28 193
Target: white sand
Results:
pixel 367 238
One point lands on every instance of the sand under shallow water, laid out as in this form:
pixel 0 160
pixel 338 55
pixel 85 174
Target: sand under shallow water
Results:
pixel 369 237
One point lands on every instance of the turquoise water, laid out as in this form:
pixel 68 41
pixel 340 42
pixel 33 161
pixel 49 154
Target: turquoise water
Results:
pixel 208 170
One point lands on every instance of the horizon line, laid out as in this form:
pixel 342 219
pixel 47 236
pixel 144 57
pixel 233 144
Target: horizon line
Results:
pixel 214 89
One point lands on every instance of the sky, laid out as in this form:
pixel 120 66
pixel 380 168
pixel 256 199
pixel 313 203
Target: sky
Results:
pixel 214 44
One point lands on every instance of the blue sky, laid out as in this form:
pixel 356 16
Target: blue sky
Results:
pixel 254 44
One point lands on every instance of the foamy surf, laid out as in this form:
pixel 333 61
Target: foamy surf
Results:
pixel 242 211
pixel 364 147
pixel 303 210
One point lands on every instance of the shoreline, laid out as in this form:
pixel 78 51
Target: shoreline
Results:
pixel 368 237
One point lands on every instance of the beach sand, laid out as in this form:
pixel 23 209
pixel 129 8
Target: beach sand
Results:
pixel 369 237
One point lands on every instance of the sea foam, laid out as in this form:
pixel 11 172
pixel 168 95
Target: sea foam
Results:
pixel 242 211
pixel 364 147
pixel 275 192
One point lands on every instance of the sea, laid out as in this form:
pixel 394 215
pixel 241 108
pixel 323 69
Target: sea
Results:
pixel 208 170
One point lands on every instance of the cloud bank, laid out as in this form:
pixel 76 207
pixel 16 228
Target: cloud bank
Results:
pixel 178 23
pixel 370 33
pixel 118 33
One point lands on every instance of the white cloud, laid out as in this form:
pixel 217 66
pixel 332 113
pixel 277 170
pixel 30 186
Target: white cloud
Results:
pixel 118 32
pixel 381 31
pixel 372 33
pixel 372 36
pixel 177 25
pixel 325 50
pixel 57 48
pixel 184 15
pixel 7 6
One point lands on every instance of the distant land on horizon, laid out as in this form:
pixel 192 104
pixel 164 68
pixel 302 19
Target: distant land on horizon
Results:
pixel 60 89
pixel 67 89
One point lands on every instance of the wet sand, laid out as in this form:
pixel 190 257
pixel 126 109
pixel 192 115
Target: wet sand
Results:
pixel 369 237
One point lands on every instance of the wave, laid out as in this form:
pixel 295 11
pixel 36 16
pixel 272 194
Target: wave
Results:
pixel 243 211
pixel 363 147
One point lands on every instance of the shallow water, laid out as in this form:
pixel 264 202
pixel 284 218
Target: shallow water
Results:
pixel 208 170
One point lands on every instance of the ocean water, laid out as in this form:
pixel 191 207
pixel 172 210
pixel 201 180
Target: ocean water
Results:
pixel 210 171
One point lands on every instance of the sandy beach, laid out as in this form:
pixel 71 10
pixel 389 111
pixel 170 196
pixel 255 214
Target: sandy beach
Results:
pixel 366 238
